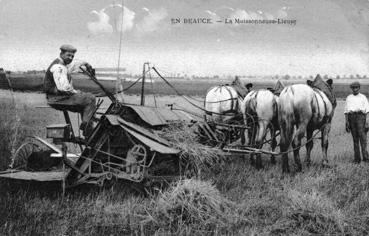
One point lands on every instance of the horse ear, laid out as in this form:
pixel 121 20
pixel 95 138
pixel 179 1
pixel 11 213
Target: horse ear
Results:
pixel 236 80
pixel 309 82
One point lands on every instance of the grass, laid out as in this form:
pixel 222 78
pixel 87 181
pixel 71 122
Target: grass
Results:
pixel 17 123
pixel 233 199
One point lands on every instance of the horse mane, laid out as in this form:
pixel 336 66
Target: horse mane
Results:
pixel 239 86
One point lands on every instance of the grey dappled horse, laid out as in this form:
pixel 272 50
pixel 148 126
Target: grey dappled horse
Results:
pixel 260 114
pixel 307 108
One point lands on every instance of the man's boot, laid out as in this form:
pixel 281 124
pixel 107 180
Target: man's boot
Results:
pixel 87 129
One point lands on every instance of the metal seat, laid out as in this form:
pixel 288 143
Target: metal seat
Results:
pixel 73 137
pixel 65 113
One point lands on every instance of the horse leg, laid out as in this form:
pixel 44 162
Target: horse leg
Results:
pixel 259 143
pixel 251 142
pixel 296 145
pixel 273 144
pixel 243 138
pixel 325 132
pixel 286 135
pixel 309 145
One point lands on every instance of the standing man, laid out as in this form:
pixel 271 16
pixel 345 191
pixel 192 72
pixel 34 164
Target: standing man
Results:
pixel 59 90
pixel 356 110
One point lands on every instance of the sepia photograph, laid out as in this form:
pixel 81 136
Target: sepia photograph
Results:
pixel 184 117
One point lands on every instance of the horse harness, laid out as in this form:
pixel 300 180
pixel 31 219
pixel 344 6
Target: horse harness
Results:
pixel 318 92
pixel 234 107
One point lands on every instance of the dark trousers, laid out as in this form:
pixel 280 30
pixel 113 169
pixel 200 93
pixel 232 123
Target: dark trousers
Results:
pixel 83 103
pixel 357 122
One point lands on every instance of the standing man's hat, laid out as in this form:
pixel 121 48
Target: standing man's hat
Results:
pixel 68 48
pixel 355 84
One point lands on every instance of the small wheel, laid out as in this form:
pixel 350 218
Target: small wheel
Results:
pixel 109 176
pixel 139 152
pixel 100 182
pixel 21 155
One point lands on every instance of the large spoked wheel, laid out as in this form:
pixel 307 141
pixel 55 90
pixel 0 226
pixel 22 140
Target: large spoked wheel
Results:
pixel 22 154
pixel 33 154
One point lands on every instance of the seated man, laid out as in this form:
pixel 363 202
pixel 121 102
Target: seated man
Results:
pixel 60 93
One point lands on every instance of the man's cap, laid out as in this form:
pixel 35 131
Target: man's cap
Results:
pixel 329 81
pixel 355 84
pixel 68 48
pixel 249 85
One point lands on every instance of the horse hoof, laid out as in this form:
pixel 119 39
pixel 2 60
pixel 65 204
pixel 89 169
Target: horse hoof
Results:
pixel 259 164
pixel 286 170
pixel 252 161
pixel 325 164
pixel 272 160
pixel 259 167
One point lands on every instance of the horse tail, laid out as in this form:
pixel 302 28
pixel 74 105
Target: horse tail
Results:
pixel 286 117
pixel 249 107
pixel 274 121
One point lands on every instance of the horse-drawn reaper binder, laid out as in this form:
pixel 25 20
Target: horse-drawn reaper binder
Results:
pixel 123 146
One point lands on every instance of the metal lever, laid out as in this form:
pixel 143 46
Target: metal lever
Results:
pixel 94 79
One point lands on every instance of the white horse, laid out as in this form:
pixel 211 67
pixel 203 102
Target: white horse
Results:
pixel 260 113
pixel 307 108
pixel 223 104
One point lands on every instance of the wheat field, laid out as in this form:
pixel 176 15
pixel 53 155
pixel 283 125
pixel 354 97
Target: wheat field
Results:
pixel 233 199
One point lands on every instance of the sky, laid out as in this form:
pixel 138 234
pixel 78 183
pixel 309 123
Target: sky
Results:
pixel 329 36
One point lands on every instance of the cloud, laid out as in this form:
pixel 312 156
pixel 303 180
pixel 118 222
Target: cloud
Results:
pixel 128 20
pixel 151 21
pixel 268 16
pixel 213 16
pixel 101 26
pixel 225 8
pixel 211 13
pixel 259 14
pixel 116 5
pixel 282 13
pixel 240 14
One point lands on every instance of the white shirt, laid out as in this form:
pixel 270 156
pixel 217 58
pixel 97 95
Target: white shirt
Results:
pixel 61 73
pixel 356 103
